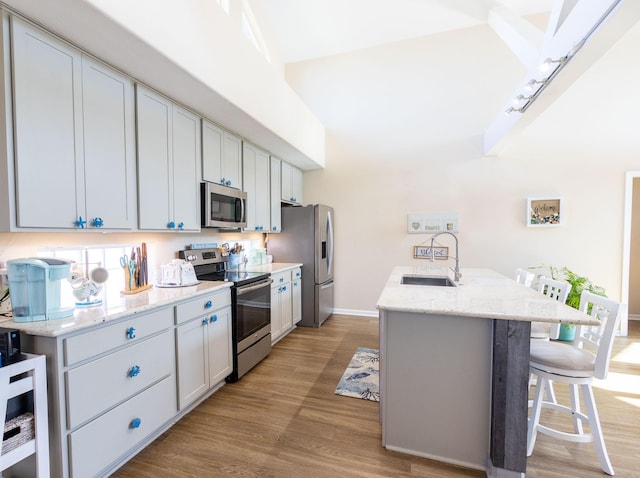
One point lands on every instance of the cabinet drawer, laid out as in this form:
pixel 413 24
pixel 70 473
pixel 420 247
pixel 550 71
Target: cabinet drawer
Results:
pixel 100 443
pixel 130 330
pixel 98 385
pixel 280 278
pixel 202 305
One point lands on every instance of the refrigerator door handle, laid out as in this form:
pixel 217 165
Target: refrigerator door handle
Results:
pixel 329 243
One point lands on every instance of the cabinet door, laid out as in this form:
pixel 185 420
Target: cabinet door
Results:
pixel 185 178
pixel 193 378
pixel 276 328
pixel 286 316
pixel 220 354
pixel 232 160
pixel 286 191
pixel 296 300
pixel 296 185
pixel 276 214
pixel 212 140
pixel 47 101
pixel 154 128
pixel 263 199
pixel 109 150
pixel 249 185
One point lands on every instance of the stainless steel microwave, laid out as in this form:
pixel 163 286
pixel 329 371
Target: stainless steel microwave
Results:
pixel 222 207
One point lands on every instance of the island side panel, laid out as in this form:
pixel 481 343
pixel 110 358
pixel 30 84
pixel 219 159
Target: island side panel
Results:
pixel 509 408
pixel 436 385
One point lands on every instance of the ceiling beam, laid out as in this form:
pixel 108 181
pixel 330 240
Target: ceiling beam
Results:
pixel 586 33
pixel 524 39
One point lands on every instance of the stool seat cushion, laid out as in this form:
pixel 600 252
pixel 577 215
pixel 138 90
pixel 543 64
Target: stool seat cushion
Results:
pixel 562 358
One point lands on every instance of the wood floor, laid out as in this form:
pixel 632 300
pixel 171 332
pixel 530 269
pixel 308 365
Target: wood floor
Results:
pixel 284 420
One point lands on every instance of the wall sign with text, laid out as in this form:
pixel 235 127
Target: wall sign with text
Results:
pixel 544 212
pixel 431 223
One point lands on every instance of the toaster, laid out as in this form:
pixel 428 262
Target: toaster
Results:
pixel 177 273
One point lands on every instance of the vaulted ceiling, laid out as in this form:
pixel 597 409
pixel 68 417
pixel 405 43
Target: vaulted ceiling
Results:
pixel 309 29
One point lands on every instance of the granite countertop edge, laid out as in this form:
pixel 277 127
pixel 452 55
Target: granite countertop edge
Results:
pixel 127 306
pixel 482 293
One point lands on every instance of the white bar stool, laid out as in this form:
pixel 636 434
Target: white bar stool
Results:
pixel 575 364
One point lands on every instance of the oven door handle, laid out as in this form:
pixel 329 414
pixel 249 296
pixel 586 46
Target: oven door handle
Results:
pixel 250 288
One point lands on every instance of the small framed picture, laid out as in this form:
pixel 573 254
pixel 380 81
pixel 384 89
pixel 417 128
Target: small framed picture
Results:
pixel 544 212
pixel 424 252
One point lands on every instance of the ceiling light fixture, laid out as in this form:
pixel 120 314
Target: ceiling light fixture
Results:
pixel 508 111
pixel 520 98
pixel 532 83
pixel 546 65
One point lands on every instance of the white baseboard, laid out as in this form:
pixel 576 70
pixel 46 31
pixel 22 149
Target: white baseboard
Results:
pixel 356 312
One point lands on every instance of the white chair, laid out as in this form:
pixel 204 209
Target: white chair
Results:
pixel 555 289
pixel 525 277
pixel 575 364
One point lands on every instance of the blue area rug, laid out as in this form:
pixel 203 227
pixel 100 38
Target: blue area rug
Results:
pixel 360 379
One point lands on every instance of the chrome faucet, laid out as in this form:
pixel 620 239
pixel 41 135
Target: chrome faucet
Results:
pixel 457 274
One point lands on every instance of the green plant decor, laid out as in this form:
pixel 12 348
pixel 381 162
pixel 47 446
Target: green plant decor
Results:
pixel 578 285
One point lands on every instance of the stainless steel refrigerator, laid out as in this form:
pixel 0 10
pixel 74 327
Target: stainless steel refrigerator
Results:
pixel 307 237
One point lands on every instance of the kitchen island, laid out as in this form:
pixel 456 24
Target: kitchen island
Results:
pixel 454 366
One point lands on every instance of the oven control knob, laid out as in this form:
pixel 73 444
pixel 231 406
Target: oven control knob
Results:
pixel 191 257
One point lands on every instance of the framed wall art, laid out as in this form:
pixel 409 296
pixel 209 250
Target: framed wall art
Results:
pixel 544 211
pixel 440 253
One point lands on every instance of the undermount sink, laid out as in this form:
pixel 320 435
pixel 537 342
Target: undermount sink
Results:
pixel 422 280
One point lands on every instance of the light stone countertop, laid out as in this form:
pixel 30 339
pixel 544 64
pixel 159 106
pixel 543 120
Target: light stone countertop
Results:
pixel 482 293
pixel 127 305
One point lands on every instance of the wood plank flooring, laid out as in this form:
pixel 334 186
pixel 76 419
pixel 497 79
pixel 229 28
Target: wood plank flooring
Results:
pixel 284 420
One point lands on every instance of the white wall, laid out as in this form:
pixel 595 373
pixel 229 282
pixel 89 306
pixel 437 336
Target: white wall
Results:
pixel 404 125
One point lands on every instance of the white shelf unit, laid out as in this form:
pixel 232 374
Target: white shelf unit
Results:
pixel 35 379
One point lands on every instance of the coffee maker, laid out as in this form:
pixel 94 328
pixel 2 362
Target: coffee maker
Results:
pixel 34 286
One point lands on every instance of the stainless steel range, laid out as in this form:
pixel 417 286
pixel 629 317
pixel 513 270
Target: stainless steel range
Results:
pixel 250 302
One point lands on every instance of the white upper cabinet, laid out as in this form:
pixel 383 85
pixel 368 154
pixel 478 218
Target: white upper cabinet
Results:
pixel 256 165
pixel 291 184
pixel 276 184
pixel 168 164
pixel 221 156
pixel 74 136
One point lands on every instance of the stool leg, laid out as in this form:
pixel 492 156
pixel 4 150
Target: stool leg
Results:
pixel 596 430
pixel 551 394
pixel 575 407
pixel 534 420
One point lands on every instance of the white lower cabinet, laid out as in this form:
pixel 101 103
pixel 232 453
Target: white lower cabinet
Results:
pixel 203 344
pixel 95 446
pixel 114 388
pixel 285 303
pixel 296 295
